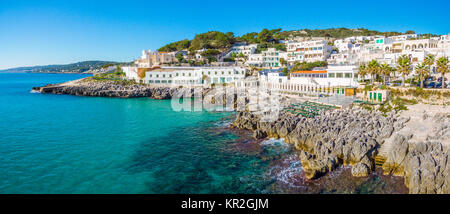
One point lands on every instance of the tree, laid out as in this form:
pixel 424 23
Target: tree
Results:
pixel 404 67
pixel 386 71
pixel 429 61
pixel 285 71
pixel 362 71
pixel 422 70
pixel 373 69
pixel 283 61
pixel 443 68
pixel 179 57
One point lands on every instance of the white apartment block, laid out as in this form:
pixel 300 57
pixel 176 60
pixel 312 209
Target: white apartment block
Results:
pixel 254 60
pixel 246 50
pixel 271 57
pixel 308 51
pixel 194 76
pixel 333 76
pixel 404 37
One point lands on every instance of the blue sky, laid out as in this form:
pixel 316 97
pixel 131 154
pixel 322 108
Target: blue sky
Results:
pixel 58 32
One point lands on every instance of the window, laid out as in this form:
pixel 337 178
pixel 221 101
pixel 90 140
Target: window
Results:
pixel 183 74
pixel 177 74
pixel 150 81
pixel 150 75
pixel 348 75
pixel 157 75
pixel 164 76
pixel 339 75
pixel 331 75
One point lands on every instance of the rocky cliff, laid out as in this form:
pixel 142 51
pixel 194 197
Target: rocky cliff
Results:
pixel 354 136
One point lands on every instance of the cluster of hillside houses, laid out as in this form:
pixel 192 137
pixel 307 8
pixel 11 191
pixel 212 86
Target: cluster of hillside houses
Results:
pixel 343 57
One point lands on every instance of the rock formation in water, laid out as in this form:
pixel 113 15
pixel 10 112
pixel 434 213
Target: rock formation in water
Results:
pixel 354 136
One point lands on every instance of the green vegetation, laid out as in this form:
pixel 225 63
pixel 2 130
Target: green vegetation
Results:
pixel 308 66
pixel 118 75
pixel 338 33
pixel 210 55
pixel 404 67
pixel 420 93
pixel 443 68
pixel 265 38
pixel 176 46
pixel 212 40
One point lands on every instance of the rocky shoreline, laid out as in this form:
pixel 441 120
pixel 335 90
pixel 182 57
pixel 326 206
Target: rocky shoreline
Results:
pixel 338 137
pixel 354 137
pixel 84 87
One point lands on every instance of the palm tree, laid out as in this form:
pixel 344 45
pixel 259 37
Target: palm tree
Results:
pixel 429 61
pixel 404 67
pixel 422 70
pixel 386 71
pixel 373 69
pixel 442 67
pixel 362 71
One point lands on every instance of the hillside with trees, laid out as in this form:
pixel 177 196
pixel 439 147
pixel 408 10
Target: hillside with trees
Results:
pixel 265 38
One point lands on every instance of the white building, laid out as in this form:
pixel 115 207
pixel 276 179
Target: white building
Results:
pixel 246 50
pixel 254 60
pixel 333 76
pixel 131 73
pixel 271 57
pixel 404 37
pixel 272 76
pixel 308 51
pixel 194 75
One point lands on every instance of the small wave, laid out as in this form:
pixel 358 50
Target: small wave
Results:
pixel 274 142
pixel 34 92
pixel 223 123
pixel 288 172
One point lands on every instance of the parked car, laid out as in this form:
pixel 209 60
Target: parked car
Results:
pixel 440 79
pixel 431 85
pixel 429 79
pixel 439 85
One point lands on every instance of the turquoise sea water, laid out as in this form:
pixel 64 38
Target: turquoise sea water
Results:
pixel 70 144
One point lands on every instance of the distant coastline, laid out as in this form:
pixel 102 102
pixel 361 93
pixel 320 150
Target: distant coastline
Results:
pixel 73 68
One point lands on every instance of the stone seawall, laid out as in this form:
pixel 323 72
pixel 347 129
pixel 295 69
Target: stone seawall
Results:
pixel 354 136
